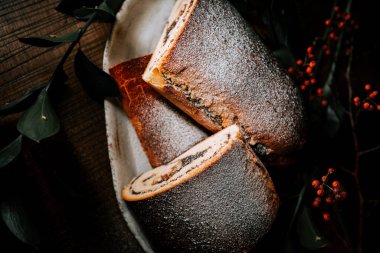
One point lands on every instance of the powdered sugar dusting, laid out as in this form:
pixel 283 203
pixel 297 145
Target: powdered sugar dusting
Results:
pixel 164 131
pixel 224 64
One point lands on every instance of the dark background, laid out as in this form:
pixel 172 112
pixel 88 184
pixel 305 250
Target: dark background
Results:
pixel 64 183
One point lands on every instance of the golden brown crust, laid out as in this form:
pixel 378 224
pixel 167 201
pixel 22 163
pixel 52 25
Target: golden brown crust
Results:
pixel 226 205
pixel 218 62
pixel 164 131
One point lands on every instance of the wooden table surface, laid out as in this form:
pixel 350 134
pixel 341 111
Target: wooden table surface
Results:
pixel 68 174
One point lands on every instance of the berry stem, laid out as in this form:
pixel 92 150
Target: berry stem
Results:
pixel 324 38
pixel 356 172
pixel 364 152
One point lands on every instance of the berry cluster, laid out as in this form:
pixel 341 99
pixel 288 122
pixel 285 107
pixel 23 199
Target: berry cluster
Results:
pixel 338 23
pixel 305 71
pixel 327 194
pixel 370 101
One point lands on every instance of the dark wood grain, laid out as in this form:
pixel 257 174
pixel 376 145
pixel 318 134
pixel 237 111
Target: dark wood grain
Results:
pixel 69 173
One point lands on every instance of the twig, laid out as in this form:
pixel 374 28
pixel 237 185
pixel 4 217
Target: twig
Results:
pixel 364 152
pixel 346 170
pixel 357 158
pixel 319 58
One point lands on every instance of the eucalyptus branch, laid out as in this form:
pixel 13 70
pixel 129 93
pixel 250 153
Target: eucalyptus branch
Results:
pixel 70 48
pixel 39 121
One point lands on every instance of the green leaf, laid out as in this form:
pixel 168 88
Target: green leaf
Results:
pixel 68 6
pixel 40 120
pixel 20 223
pixel 95 81
pixel 114 5
pixel 23 102
pixel 56 84
pixel 106 11
pixel 333 123
pixel 103 13
pixel 10 152
pixel 285 57
pixel 289 247
pixel 50 40
pixel 308 234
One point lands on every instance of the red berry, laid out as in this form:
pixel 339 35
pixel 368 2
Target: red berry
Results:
pixel 332 36
pixel 336 8
pixel 366 105
pixel 326 216
pixel 290 70
pixel 370 108
pixel 312 64
pixel 299 62
pixel 347 16
pixel 324 178
pixel 320 91
pixel 320 192
pixel 315 204
pixel 336 184
pixel 309 50
pixel 341 24
pixel 328 22
pixel 367 87
pixel 324 102
pixel 328 200
pixel 343 195
pixel 330 170
pixel 315 183
pixel 309 70
pixel 303 87
pixel 318 199
pixel 378 107
pixel 356 99
pixel 306 82
pixel 373 94
pixel 327 52
pixel 313 81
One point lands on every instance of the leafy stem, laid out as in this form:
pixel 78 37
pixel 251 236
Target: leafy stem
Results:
pixel 71 47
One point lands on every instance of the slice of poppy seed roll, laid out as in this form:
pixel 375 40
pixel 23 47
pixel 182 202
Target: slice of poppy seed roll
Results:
pixel 212 65
pixel 216 197
pixel 163 130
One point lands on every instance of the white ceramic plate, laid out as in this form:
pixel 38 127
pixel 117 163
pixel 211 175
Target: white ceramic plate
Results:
pixel 136 32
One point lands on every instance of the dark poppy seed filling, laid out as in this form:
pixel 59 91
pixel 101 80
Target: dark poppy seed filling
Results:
pixel 182 168
pixel 217 119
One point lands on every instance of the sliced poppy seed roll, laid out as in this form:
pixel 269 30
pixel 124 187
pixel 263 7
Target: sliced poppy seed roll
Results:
pixel 163 130
pixel 212 65
pixel 216 197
